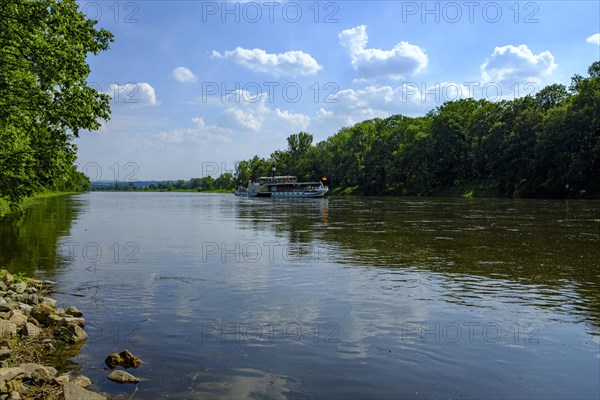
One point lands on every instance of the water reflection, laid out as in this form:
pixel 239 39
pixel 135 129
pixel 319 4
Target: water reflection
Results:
pixel 339 297
pixel 30 239
pixel 538 253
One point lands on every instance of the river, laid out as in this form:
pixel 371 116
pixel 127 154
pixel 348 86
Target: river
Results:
pixel 341 298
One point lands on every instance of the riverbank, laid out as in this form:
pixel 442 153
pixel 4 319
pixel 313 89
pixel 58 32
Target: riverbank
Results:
pixel 466 190
pixel 29 201
pixel 37 339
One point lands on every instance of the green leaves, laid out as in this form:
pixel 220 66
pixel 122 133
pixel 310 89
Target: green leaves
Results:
pixel 44 96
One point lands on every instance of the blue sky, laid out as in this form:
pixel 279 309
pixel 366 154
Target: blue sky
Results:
pixel 197 85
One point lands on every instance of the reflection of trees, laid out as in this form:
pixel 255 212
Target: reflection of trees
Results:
pixel 541 250
pixel 295 220
pixel 29 239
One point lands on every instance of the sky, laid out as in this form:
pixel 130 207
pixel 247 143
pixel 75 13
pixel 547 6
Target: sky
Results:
pixel 197 85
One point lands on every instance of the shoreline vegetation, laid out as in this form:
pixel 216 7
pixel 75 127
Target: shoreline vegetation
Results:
pixel 6 208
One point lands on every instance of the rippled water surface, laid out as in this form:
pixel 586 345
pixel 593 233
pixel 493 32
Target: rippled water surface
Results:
pixel 347 298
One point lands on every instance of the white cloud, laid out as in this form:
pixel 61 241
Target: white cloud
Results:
pixel 594 39
pixel 297 121
pixel 199 133
pixel 182 74
pixel 290 63
pixel 517 64
pixel 239 118
pixel 403 60
pixel 245 111
pixel 140 94
pixel 251 112
pixel 409 98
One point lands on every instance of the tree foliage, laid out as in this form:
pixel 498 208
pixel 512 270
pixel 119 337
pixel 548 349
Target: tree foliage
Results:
pixel 45 99
pixel 546 145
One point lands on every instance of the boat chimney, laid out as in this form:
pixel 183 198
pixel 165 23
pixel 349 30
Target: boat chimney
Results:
pixel 273 171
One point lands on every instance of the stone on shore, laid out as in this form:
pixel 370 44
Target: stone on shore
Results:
pixel 31 330
pixel 76 334
pixel 74 392
pixel 81 381
pixel 30 327
pixel 18 318
pixel 10 379
pixel 5 353
pixel 123 359
pixel 7 331
pixel 38 372
pixel 74 312
pixel 18 287
pixel 7 277
pixel 41 312
pixel 122 377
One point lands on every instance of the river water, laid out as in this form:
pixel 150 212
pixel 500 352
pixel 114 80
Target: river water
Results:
pixel 341 298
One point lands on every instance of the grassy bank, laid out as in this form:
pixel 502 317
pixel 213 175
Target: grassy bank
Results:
pixel 29 201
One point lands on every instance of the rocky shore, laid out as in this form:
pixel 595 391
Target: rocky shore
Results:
pixel 36 336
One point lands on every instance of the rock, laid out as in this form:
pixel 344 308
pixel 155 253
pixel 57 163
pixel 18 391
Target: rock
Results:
pixel 3 286
pixel 122 377
pixel 7 331
pixel 10 379
pixel 74 392
pixel 31 369
pixel 53 320
pixel 5 315
pixel 74 312
pixel 14 396
pixel 68 321
pixel 7 278
pixel 48 300
pixel 30 299
pixel 18 318
pixel 81 381
pixel 5 353
pixel 62 379
pixel 31 330
pixel 124 359
pixel 31 290
pixel 76 334
pixel 26 308
pixel 5 307
pixel 41 312
pixel 18 287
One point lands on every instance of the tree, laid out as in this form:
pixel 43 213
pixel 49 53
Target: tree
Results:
pixel 45 99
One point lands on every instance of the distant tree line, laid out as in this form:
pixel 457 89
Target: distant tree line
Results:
pixel 208 183
pixel 545 145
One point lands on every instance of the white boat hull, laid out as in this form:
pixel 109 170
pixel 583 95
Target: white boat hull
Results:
pixel 283 194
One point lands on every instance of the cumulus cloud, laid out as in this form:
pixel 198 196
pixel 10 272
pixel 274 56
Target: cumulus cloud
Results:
pixel 403 60
pixel 594 39
pixel 298 121
pixel 290 63
pixel 140 94
pixel 409 98
pixel 251 112
pixel 199 133
pixel 517 64
pixel 244 111
pixel 184 75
